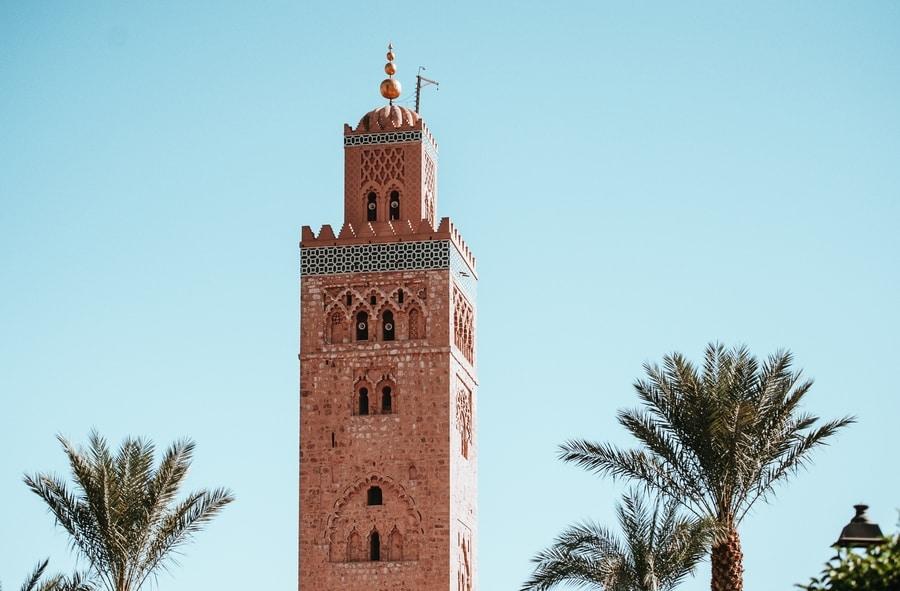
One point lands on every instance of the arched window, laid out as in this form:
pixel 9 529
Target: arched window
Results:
pixel 386 402
pixel 349 299
pixel 363 401
pixel 371 207
pixel 375 546
pixel 373 496
pixel 395 205
pixel 362 326
pixel 387 326
pixel 399 296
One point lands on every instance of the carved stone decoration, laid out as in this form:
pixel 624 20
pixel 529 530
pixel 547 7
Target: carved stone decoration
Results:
pixel 381 165
pixel 463 325
pixel 397 514
pixel 342 304
pixel 430 190
pixel 465 576
pixel 464 419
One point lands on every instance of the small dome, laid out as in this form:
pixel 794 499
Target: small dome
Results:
pixel 387 118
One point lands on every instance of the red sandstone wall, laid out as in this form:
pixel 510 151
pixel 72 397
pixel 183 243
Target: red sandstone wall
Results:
pixel 413 454
pixel 405 167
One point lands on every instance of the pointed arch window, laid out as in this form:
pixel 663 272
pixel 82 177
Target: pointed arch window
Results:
pixel 362 326
pixel 371 206
pixel 363 401
pixel 374 496
pixel 395 205
pixel 387 402
pixel 375 546
pixel 387 326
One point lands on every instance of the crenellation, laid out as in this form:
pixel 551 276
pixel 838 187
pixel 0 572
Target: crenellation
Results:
pixel 326 233
pixel 425 228
pixel 347 231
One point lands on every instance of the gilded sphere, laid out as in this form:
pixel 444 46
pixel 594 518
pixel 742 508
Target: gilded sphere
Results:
pixel 390 69
pixel 390 88
pixel 390 56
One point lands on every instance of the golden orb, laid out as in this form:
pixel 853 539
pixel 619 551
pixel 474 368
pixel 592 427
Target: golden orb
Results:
pixel 390 88
pixel 390 69
pixel 390 56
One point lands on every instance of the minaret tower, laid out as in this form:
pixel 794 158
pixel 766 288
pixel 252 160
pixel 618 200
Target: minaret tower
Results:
pixel 387 374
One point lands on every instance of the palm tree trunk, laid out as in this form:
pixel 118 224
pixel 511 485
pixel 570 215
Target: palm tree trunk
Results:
pixel 728 563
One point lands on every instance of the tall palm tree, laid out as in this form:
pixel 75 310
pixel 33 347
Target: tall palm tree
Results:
pixel 659 549
pixel 77 582
pixel 715 439
pixel 122 514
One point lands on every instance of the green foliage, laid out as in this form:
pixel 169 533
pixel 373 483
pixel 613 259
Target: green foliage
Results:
pixel 658 550
pixel 122 515
pixel 77 582
pixel 716 438
pixel 877 569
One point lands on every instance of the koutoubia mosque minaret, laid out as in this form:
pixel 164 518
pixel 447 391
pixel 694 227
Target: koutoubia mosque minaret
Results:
pixel 388 457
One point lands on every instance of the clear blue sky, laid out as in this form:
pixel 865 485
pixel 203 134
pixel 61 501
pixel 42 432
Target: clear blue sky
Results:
pixel 635 178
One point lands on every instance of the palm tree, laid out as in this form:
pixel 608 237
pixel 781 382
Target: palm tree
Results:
pixel 715 440
pixel 659 549
pixel 76 582
pixel 122 515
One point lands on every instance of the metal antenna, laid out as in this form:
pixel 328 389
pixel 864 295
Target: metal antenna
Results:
pixel 421 82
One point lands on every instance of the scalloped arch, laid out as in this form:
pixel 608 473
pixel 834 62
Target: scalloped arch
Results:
pixel 385 482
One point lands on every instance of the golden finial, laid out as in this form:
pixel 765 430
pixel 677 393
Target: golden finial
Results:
pixel 390 88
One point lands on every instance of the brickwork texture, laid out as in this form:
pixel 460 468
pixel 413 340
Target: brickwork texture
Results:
pixel 388 453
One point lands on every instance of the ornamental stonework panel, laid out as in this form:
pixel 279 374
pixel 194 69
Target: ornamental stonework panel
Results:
pixel 391 137
pixel 463 325
pixel 382 165
pixel 465 573
pixel 464 418
pixel 366 258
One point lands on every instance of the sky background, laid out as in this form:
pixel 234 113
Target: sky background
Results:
pixel 635 178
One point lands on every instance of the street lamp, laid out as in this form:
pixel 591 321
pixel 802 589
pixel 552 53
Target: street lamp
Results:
pixel 860 532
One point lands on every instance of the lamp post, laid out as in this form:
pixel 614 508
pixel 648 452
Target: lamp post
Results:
pixel 860 532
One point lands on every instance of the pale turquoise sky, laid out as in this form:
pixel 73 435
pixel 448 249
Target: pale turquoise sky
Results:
pixel 634 177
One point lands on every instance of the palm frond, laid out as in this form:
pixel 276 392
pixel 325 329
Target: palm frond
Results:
pixel 657 549
pixel 121 514
pixel 35 576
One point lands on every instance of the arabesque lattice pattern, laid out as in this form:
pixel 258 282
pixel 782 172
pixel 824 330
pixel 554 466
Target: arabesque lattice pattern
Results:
pixel 430 188
pixel 382 165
